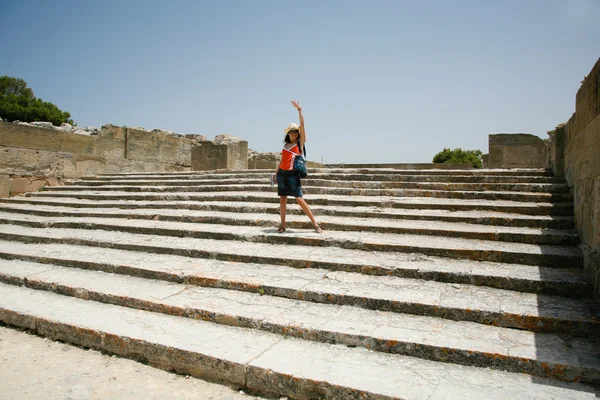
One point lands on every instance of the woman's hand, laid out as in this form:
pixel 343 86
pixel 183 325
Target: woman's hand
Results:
pixel 297 105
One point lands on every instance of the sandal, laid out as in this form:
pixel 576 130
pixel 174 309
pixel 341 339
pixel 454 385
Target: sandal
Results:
pixel 318 229
pixel 281 229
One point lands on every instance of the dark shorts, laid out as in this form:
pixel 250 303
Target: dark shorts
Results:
pixel 288 184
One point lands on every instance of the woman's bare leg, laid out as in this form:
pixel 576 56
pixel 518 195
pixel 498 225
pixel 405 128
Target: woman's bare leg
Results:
pixel 282 209
pixel 304 205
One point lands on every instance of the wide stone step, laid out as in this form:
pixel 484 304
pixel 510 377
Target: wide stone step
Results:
pixel 538 354
pixel 83 191
pixel 182 179
pixel 451 247
pixel 246 274
pixel 41 205
pixel 260 361
pixel 331 223
pixel 315 182
pixel 527 172
pixel 500 307
pixel 537 208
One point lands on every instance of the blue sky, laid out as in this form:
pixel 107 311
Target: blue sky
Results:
pixel 379 81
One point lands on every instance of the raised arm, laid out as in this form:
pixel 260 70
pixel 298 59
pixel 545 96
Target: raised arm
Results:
pixel 301 130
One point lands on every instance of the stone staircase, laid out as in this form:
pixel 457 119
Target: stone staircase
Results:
pixel 426 284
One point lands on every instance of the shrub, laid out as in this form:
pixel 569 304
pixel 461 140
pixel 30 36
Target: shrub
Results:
pixel 472 157
pixel 17 102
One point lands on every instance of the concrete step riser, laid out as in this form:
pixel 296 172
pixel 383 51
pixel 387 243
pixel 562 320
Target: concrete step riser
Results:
pixel 522 197
pixel 554 239
pixel 558 209
pixel 308 183
pixel 526 322
pixel 543 260
pixel 482 220
pixel 533 367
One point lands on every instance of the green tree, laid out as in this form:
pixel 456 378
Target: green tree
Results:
pixel 472 157
pixel 17 102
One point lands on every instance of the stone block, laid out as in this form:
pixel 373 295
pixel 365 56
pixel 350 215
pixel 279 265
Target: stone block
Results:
pixel 262 164
pixel 52 181
pixel 592 146
pixel 585 212
pixel 18 161
pixel 28 137
pixel 209 156
pixel 558 151
pixel 595 244
pixel 19 185
pixel 92 145
pixel 518 150
pixel 113 132
pixel 86 165
pixel 4 185
pixel 591 266
pixel 587 100
pixel 157 147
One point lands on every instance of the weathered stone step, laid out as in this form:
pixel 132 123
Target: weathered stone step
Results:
pixel 498 275
pixel 252 270
pixel 471 217
pixel 423 203
pixel 328 176
pixel 458 248
pixel 262 361
pixel 309 183
pixel 124 191
pixel 527 311
pixel 361 171
pixel 331 223
pixel 538 354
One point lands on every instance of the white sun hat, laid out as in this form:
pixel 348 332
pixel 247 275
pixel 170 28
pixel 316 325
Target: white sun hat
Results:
pixel 291 127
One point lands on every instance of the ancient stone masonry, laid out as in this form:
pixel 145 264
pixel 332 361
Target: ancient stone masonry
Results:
pixel 225 152
pixel 426 283
pixel 577 157
pixel 37 154
pixel 517 150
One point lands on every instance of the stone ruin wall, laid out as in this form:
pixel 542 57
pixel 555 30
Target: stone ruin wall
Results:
pixel 516 150
pixel 576 148
pixel 572 150
pixel 35 155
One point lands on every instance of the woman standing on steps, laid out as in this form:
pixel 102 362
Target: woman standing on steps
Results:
pixel 288 181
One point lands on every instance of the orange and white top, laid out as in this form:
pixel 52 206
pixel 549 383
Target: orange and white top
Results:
pixel 288 156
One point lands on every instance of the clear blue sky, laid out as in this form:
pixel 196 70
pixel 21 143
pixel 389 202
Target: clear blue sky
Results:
pixel 379 81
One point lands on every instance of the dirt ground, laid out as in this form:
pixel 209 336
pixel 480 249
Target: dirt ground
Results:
pixel 35 368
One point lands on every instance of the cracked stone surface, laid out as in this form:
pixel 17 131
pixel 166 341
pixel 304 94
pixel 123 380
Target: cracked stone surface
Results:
pixel 425 284
pixel 386 200
pixel 54 370
pixel 41 205
pixel 483 250
pixel 465 230
pixel 385 263
pixel 367 192
pixel 269 362
pixel 315 182
pixel 249 199
pixel 338 175
pixel 453 301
